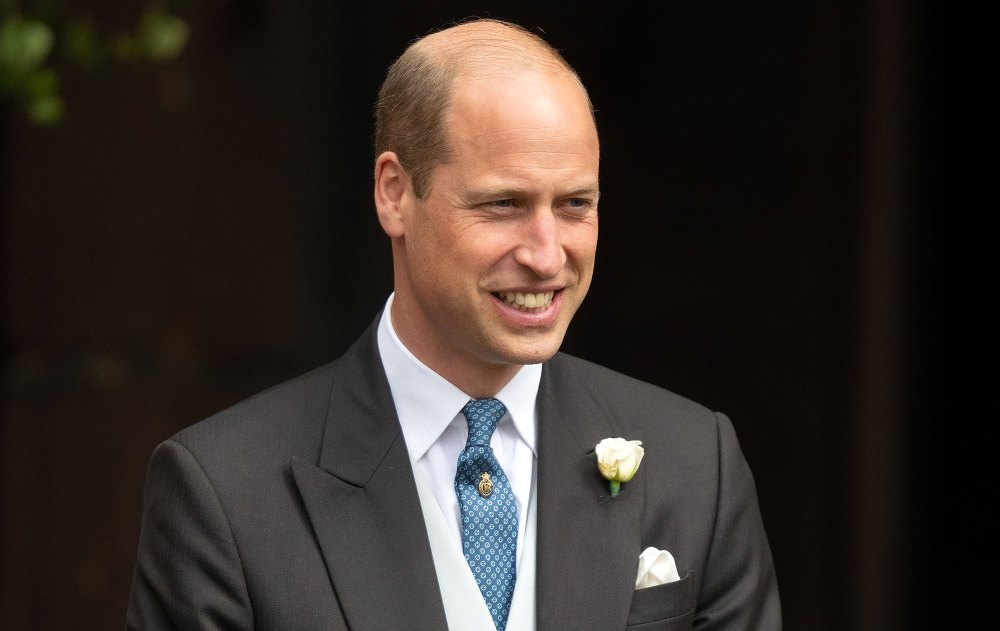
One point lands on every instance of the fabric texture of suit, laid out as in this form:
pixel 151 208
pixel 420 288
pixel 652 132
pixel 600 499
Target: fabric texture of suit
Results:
pixel 297 509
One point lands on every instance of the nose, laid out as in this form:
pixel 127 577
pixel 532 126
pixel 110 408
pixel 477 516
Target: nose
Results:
pixel 541 249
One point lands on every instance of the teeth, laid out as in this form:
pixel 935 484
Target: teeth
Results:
pixel 528 302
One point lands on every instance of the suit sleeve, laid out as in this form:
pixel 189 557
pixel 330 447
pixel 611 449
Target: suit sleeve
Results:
pixel 740 592
pixel 188 574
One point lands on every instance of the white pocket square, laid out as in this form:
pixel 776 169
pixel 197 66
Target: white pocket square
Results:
pixel 656 567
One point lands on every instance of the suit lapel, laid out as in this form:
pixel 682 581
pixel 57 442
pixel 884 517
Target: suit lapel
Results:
pixel 363 504
pixel 588 543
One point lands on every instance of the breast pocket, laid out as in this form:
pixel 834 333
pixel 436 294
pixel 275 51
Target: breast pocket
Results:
pixel 667 607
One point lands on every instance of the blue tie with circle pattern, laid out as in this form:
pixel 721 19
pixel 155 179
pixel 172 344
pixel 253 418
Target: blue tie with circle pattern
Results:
pixel 489 512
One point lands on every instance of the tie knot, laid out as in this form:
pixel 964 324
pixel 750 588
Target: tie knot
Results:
pixel 483 415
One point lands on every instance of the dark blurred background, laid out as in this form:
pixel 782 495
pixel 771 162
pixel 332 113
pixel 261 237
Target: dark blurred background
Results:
pixel 194 231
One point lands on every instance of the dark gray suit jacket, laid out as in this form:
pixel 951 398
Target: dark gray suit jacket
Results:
pixel 297 509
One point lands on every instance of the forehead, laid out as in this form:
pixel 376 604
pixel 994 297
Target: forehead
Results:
pixel 526 111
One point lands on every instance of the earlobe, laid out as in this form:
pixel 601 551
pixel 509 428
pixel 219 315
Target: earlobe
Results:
pixel 391 182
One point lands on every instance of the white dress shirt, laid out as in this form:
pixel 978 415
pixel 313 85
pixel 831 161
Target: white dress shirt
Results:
pixel 435 430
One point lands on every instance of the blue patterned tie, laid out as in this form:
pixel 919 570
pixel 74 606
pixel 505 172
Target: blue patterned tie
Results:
pixel 489 513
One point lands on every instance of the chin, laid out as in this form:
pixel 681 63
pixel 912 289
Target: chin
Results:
pixel 532 353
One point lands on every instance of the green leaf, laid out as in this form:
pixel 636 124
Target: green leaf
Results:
pixel 46 110
pixel 127 49
pixel 24 44
pixel 163 36
pixel 82 45
pixel 41 83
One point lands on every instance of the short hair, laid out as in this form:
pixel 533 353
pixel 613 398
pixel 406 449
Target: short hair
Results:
pixel 413 99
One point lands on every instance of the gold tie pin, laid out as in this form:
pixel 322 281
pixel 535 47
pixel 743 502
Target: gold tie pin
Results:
pixel 485 485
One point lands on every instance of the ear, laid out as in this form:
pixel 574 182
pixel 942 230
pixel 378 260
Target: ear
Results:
pixel 391 184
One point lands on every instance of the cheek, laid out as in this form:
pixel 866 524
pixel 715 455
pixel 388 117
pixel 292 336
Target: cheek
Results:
pixel 580 241
pixel 476 252
pixel 431 247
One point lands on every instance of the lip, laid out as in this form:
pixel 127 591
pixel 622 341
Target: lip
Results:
pixel 517 318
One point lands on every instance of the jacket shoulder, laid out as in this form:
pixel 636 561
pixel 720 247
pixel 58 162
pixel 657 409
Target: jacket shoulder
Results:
pixel 609 388
pixel 286 419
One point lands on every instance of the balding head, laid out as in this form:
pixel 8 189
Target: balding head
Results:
pixel 413 100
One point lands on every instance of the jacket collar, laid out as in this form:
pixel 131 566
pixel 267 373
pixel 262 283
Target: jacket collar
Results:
pixel 363 504
pixel 585 565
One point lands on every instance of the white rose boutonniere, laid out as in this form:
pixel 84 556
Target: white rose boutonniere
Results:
pixel 618 459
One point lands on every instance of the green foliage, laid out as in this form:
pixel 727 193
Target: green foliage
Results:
pixel 83 44
pixel 27 75
pixel 163 36
pixel 24 44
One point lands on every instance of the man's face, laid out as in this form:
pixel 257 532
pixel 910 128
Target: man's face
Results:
pixel 498 256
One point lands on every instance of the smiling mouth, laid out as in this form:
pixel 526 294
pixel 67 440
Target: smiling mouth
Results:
pixel 532 303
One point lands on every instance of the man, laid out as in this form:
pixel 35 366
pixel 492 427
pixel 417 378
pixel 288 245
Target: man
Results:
pixel 441 474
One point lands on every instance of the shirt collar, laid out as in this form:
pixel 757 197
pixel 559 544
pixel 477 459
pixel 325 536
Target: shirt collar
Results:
pixel 426 403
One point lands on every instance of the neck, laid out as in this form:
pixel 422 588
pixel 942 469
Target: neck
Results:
pixel 477 378
pixel 481 384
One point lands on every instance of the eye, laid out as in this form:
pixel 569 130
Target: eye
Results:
pixel 577 206
pixel 505 207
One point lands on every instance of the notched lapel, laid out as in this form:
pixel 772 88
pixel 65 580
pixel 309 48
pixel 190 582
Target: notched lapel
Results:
pixel 375 547
pixel 588 542
pixel 363 505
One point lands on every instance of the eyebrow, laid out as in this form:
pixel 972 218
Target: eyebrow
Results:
pixel 584 191
pixel 502 192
